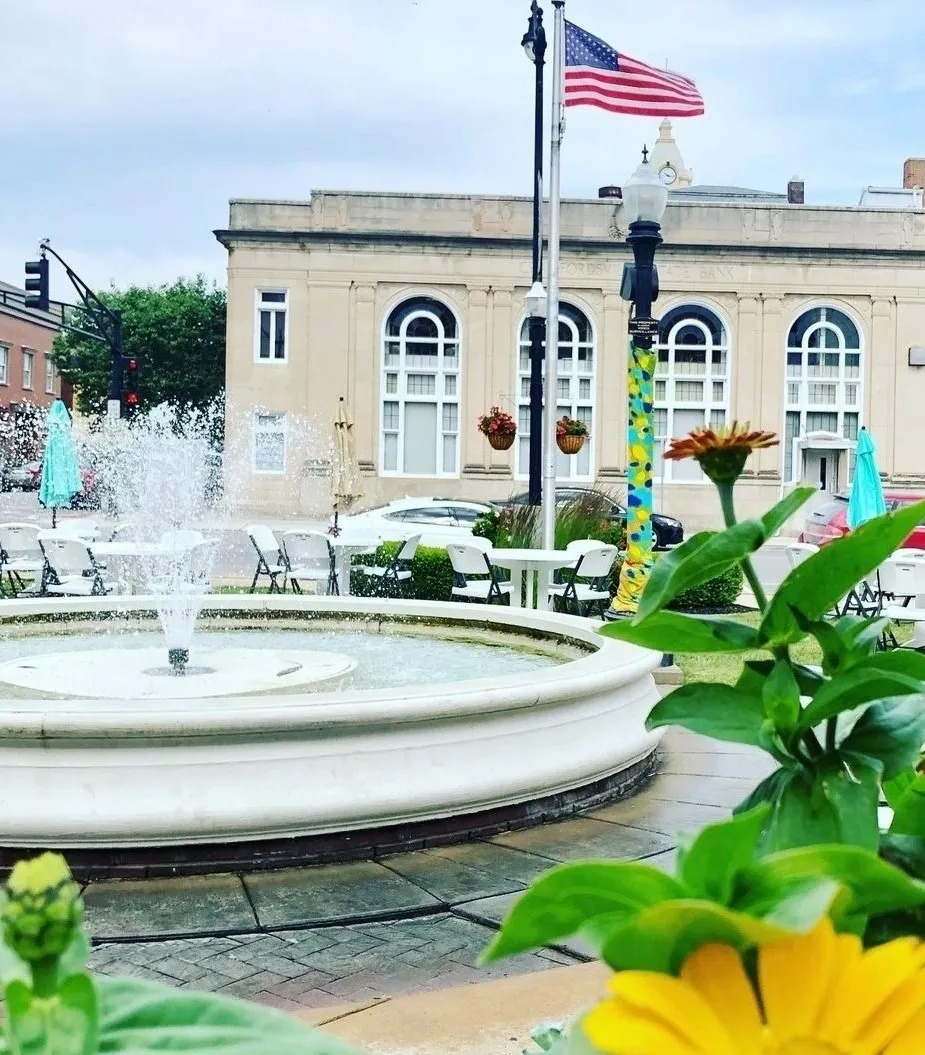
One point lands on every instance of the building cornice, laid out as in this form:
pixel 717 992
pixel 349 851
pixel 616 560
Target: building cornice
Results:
pixel 486 243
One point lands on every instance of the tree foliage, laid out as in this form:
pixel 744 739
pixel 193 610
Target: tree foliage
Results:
pixel 177 334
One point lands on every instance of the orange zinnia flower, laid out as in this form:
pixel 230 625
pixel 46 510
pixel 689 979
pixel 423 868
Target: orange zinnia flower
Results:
pixel 721 452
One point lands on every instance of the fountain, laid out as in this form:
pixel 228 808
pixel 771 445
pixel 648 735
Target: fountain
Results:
pixel 291 727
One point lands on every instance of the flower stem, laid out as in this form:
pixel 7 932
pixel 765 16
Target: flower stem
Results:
pixel 830 729
pixel 729 518
pixel 45 977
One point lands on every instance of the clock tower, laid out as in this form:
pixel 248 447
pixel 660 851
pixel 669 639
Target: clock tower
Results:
pixel 666 160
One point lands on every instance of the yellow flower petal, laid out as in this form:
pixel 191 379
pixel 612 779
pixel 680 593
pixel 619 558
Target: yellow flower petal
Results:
pixel 892 1015
pixel 671 999
pixel 716 972
pixel 867 982
pixel 911 1040
pixel 794 976
pixel 617 1028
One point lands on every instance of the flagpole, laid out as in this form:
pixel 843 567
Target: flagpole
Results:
pixel 552 294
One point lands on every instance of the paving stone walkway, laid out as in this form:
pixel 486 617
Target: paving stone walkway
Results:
pixel 326 934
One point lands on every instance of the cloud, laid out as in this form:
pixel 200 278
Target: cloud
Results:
pixel 132 124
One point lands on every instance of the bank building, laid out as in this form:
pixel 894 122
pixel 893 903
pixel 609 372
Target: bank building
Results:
pixel 805 319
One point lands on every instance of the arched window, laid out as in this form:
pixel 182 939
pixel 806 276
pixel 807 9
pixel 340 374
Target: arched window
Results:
pixel 420 386
pixel 823 383
pixel 691 381
pixel 575 390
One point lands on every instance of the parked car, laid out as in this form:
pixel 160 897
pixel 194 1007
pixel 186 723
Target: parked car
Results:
pixel 666 531
pixel 89 498
pixel 23 477
pixel 830 521
pixel 437 520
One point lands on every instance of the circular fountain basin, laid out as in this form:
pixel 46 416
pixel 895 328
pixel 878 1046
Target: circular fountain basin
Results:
pixel 143 673
pixel 110 769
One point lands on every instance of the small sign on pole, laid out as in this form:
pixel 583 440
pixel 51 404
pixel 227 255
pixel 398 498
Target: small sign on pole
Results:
pixel 643 327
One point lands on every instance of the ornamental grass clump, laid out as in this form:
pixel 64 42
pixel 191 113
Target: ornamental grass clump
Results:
pixel 794 927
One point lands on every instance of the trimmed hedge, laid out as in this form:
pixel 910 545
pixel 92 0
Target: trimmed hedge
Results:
pixel 719 592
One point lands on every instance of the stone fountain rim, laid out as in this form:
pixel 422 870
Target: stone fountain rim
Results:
pixel 609 665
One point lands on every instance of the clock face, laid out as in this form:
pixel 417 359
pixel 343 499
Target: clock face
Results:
pixel 667 175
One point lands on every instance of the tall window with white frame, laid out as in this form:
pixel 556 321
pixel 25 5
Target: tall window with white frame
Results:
pixel 269 442
pixel 691 382
pixel 271 329
pixel 51 376
pixel 28 365
pixel 4 364
pixel 575 384
pixel 823 382
pixel 420 390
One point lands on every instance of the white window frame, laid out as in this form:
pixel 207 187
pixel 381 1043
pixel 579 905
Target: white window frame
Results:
pixel 274 309
pixel 573 404
pixel 446 374
pixel 261 426
pixel 4 364
pixel 840 406
pixel 28 356
pixel 715 411
pixel 50 375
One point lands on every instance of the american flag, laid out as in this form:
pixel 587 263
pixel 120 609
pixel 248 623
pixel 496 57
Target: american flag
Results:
pixel 596 75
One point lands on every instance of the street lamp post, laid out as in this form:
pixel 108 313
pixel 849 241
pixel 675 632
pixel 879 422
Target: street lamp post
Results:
pixel 644 199
pixel 534 44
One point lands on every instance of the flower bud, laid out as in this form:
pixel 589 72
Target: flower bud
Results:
pixel 43 908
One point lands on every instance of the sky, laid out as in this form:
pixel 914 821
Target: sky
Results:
pixel 127 125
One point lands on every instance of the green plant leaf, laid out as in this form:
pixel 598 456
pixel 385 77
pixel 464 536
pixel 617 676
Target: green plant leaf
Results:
pixel 869 884
pixel 584 897
pixel 709 554
pixel 852 688
pixel 660 938
pixel 140 1017
pixel 891 732
pixel 716 710
pixel 674 632
pixel 834 803
pixel 65 1023
pixel 814 587
pixel 905 851
pixel 909 809
pixel 896 786
pixel 709 865
pixel 780 696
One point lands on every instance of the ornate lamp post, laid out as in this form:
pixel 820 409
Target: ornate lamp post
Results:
pixel 644 199
pixel 534 44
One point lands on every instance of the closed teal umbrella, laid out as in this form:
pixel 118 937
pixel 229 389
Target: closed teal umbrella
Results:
pixel 866 499
pixel 60 466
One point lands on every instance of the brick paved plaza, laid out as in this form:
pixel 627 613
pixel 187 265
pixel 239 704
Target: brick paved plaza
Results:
pixel 329 934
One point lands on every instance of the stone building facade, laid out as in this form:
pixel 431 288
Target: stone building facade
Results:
pixel 804 319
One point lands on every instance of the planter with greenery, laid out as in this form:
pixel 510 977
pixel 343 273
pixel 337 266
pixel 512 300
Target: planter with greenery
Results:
pixel 499 427
pixel 570 434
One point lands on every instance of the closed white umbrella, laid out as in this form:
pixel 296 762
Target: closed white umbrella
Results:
pixel 346 486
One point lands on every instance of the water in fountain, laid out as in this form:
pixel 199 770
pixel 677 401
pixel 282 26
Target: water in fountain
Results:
pixel 157 476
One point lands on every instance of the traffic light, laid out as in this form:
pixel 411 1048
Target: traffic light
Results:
pixel 130 389
pixel 37 284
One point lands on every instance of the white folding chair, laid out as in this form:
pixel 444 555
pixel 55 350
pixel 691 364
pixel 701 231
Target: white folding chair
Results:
pixel 21 554
pixel 398 570
pixel 181 539
pixel 127 533
pixel 71 567
pixel 309 555
pixel 594 564
pixel 270 558
pixel 474 576
pixel 195 573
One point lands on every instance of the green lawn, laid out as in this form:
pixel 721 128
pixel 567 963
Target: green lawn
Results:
pixel 726 667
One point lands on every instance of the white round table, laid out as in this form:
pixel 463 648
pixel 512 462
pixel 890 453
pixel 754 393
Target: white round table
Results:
pixel 532 563
pixel 345 547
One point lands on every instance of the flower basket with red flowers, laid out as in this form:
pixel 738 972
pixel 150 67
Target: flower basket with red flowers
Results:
pixel 570 434
pixel 499 427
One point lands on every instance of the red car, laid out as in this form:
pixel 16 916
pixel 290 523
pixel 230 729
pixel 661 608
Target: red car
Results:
pixel 830 521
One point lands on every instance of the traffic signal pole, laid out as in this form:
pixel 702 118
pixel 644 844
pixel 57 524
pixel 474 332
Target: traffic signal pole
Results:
pixel 108 321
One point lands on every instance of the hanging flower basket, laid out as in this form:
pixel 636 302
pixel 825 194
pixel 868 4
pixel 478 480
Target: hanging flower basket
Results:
pixel 499 427
pixel 501 441
pixel 570 434
pixel 570 444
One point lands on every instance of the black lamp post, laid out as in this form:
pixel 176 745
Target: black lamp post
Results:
pixel 534 44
